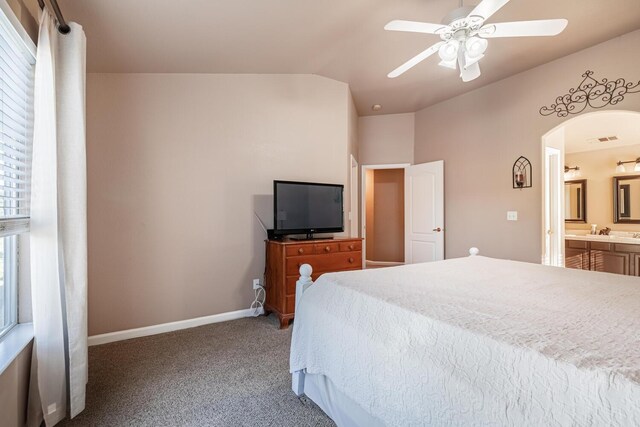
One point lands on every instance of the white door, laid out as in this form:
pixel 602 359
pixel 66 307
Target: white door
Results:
pixel 424 212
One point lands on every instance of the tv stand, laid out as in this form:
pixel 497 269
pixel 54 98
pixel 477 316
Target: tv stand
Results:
pixel 284 259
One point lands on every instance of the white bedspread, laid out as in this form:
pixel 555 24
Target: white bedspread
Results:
pixel 477 341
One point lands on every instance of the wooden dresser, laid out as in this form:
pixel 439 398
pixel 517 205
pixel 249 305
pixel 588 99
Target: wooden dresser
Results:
pixel 284 258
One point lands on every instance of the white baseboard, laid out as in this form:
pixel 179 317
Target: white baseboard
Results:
pixel 168 327
pixel 384 263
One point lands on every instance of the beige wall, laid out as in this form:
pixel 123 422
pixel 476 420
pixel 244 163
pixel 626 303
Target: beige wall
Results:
pixel 598 168
pixel 388 210
pixel 177 165
pixel 386 139
pixel 480 134
pixel 14 389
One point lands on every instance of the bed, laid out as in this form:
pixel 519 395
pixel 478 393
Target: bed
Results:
pixel 469 341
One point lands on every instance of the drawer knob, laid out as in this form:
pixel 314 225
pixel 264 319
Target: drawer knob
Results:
pixel 300 251
pixel 327 249
pixel 351 247
pixel 351 260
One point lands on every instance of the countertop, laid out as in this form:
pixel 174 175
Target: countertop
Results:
pixel 616 238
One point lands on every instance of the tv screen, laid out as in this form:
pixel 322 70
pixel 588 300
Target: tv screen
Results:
pixel 303 207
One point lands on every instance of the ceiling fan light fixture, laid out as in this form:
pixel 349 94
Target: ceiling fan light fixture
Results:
pixel 475 46
pixel 474 49
pixel 449 51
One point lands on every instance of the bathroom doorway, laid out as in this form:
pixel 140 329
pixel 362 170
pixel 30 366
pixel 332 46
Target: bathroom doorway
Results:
pixel 383 215
pixel 588 217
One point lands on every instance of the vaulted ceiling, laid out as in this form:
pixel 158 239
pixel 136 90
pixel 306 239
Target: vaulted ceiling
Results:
pixel 342 40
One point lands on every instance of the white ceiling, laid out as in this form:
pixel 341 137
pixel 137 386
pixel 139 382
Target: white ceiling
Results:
pixel 581 132
pixel 342 40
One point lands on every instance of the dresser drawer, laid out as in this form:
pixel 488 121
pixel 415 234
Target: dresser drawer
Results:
pixel 350 246
pixel 295 250
pixel 325 262
pixel 326 248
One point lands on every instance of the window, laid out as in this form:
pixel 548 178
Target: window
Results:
pixel 17 59
pixel 8 283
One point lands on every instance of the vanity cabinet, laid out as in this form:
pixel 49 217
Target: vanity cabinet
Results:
pixel 610 262
pixel 577 255
pixel 636 264
pixel 617 258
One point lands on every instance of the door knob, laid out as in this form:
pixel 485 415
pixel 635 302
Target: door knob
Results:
pixel 437 229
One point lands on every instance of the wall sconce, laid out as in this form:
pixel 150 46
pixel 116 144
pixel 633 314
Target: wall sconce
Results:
pixel 570 173
pixel 620 168
pixel 521 173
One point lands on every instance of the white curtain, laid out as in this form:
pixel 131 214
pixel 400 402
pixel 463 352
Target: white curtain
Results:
pixel 58 236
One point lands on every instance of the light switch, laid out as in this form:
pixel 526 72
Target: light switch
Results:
pixel 512 215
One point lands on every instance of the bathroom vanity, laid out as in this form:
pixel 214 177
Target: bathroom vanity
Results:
pixel 610 254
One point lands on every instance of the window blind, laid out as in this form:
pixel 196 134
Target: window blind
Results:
pixel 16 124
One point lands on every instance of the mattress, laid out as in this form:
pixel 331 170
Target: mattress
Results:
pixel 476 341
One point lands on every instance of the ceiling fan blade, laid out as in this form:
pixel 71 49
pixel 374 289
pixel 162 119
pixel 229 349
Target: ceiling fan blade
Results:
pixel 486 8
pixel 546 27
pixel 413 27
pixel 471 72
pixel 415 60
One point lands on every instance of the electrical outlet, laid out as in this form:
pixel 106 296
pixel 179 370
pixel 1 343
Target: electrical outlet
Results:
pixel 512 215
pixel 256 284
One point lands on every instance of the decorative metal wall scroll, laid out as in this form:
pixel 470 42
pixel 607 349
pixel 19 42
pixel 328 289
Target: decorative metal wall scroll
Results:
pixel 521 173
pixel 590 93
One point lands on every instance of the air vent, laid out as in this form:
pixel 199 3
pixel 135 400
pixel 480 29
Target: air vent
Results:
pixel 602 140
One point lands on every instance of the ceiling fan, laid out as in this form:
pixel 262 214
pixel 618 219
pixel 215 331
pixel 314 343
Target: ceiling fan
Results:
pixel 464 33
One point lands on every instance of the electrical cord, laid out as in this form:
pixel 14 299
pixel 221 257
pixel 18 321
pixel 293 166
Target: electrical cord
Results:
pixel 258 303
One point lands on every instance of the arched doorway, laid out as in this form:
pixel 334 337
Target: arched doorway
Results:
pixel 600 130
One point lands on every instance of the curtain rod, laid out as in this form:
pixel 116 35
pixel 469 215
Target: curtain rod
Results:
pixel 63 27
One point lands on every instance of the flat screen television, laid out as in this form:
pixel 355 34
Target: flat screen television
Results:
pixel 307 208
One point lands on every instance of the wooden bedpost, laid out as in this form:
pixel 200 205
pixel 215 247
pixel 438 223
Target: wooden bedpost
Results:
pixel 297 378
pixel 474 251
pixel 303 282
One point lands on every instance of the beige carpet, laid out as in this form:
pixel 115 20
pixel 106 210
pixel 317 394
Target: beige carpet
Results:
pixel 226 374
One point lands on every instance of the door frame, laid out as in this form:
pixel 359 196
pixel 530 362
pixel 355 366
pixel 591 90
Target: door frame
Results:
pixel 552 236
pixel 553 215
pixel 363 201
pixel 353 196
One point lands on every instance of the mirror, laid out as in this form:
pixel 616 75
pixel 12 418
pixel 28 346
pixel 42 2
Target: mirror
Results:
pixel 575 196
pixel 626 199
